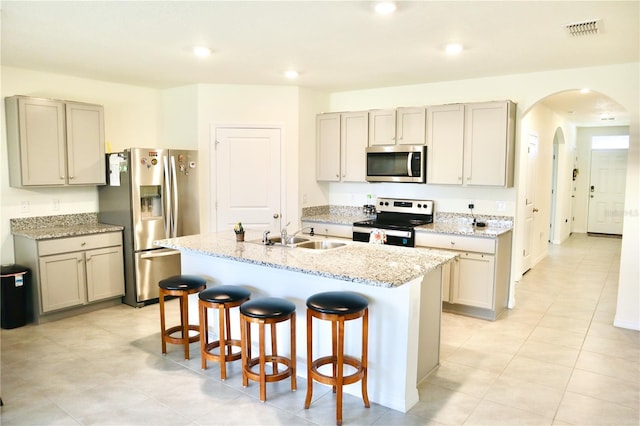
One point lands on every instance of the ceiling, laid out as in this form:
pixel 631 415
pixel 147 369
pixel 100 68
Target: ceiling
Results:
pixel 334 45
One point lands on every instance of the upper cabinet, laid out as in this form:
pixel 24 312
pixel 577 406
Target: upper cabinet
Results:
pixel 54 143
pixel 471 144
pixel 341 140
pixel 401 126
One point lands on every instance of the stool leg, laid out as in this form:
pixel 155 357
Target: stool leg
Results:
pixel 245 349
pixel 221 338
pixel 307 401
pixel 228 328
pixel 274 347
pixel 365 355
pixel 340 370
pixel 204 334
pixel 184 319
pixel 263 377
pixel 294 382
pixel 162 323
pixel 334 353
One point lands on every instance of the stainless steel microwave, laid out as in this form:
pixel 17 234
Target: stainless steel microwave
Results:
pixel 397 163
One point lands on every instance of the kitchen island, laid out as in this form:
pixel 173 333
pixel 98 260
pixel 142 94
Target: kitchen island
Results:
pixel 403 287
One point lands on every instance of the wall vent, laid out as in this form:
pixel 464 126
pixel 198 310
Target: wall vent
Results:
pixel 583 28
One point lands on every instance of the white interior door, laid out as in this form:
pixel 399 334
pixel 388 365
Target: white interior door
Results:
pixel 532 160
pixel 247 178
pixel 606 191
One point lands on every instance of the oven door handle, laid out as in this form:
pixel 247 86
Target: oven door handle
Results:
pixel 388 232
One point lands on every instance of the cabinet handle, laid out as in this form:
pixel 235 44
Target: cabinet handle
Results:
pixel 453 243
pixel 88 258
pixel 72 177
pixel 337 175
pixel 83 244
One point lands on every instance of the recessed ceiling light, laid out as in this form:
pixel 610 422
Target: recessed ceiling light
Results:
pixel 585 90
pixel 453 48
pixel 201 51
pixel 291 74
pixel 385 7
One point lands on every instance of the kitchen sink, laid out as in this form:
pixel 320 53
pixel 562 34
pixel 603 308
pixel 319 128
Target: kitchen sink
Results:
pixel 320 245
pixel 278 241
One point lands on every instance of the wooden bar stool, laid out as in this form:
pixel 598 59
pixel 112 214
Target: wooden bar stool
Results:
pixel 337 307
pixel 267 310
pixel 181 286
pixel 223 298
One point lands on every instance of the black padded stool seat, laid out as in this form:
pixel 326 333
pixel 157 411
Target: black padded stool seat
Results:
pixel 267 310
pixel 224 294
pixel 223 298
pixel 182 282
pixel 337 302
pixel 337 307
pixel 181 286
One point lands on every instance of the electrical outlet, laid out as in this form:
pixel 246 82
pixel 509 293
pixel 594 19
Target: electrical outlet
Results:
pixel 501 206
pixel 24 206
pixel 55 204
pixel 471 206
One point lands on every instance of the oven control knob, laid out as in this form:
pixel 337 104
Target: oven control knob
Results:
pixel 386 203
pixel 419 205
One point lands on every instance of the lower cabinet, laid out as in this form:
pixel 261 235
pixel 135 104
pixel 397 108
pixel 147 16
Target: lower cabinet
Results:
pixel 72 272
pixel 472 280
pixel 477 282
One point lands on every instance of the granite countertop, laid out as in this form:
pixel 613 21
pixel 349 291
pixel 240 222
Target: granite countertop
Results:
pixel 376 265
pixel 60 226
pixel 444 223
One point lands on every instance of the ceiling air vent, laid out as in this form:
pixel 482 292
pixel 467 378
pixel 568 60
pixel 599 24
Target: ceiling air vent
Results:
pixel 583 28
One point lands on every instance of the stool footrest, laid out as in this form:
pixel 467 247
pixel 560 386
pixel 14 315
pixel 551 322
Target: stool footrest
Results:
pixel 180 340
pixel 332 380
pixel 217 357
pixel 269 377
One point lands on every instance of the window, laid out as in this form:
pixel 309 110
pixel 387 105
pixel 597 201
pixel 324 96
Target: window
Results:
pixel 610 142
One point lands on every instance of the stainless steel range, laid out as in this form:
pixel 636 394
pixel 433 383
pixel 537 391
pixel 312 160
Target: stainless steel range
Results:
pixel 397 218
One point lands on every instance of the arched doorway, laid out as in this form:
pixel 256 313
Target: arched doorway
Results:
pixel 554 196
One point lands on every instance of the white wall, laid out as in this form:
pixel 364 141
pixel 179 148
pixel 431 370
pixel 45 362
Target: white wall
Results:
pixel 132 118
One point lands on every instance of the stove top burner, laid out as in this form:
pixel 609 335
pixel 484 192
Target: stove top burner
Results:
pixel 400 214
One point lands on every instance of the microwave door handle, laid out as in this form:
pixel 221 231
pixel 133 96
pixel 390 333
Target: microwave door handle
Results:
pixel 409 161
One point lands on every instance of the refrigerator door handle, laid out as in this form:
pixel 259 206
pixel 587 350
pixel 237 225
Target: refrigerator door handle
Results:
pixel 159 253
pixel 167 199
pixel 174 189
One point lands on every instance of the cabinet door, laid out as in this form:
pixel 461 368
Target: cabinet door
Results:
pixel 328 147
pixel 473 278
pixel 85 144
pixel 485 156
pixel 382 127
pixel 354 138
pixel 105 273
pixel 410 124
pixel 62 281
pixel 445 142
pixel 42 142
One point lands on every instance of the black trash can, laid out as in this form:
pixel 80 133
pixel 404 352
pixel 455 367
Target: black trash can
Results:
pixel 13 295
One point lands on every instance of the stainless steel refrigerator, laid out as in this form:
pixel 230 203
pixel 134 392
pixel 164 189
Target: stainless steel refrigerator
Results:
pixel 153 194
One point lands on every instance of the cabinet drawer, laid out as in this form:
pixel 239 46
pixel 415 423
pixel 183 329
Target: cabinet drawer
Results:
pixel 84 242
pixel 455 242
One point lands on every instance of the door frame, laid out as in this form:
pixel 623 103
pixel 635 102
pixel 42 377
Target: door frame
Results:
pixel 213 195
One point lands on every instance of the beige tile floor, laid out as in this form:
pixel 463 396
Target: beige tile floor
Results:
pixel 553 360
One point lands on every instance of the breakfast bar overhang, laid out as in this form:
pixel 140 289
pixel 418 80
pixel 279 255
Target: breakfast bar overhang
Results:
pixel 403 286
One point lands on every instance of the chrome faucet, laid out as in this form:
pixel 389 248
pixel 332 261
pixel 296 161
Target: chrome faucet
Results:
pixel 283 234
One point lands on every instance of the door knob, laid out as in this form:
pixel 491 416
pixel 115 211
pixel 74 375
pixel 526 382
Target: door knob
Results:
pixel 276 215
pixel 535 210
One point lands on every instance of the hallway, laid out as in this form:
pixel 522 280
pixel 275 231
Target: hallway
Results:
pixel 553 360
